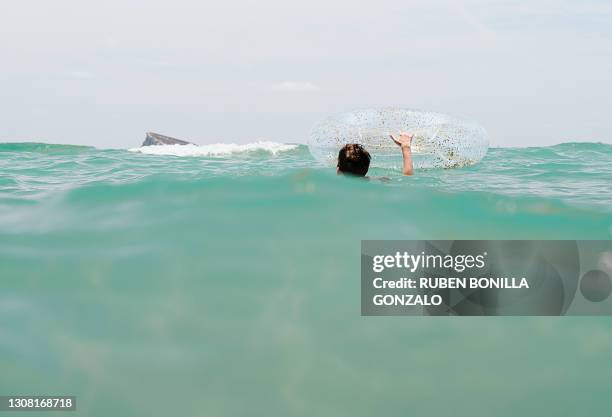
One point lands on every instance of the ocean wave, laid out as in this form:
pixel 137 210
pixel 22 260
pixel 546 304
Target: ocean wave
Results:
pixel 40 147
pixel 576 174
pixel 216 149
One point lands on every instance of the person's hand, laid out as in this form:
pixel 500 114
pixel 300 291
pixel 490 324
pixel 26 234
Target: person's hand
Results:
pixel 404 140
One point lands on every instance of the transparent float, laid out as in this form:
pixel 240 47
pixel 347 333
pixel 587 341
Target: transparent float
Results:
pixel 440 140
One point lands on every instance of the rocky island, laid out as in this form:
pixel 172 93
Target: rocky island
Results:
pixel 155 139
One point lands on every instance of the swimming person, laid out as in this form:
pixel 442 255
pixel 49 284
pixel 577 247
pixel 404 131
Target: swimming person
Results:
pixel 353 159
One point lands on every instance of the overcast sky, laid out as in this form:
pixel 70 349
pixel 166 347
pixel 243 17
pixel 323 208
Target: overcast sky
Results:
pixel 533 72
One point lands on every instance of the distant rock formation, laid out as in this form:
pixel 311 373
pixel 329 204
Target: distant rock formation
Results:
pixel 154 139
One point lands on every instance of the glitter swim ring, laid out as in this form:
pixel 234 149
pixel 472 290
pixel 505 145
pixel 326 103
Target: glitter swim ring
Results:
pixel 440 141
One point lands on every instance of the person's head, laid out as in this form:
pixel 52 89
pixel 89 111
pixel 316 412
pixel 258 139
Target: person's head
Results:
pixel 353 159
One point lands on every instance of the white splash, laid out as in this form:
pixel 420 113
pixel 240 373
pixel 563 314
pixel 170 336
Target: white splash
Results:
pixel 215 149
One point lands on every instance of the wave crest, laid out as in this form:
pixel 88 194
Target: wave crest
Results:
pixel 215 149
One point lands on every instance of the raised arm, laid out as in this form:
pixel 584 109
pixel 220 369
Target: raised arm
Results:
pixel 404 141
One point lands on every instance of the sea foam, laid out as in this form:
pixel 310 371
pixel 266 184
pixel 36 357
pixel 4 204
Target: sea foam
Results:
pixel 215 149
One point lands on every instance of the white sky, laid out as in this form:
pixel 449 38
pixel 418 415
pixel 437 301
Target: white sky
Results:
pixel 533 72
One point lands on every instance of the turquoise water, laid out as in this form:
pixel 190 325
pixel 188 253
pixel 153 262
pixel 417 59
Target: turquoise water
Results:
pixel 229 285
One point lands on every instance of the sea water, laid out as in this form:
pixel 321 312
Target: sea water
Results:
pixel 224 281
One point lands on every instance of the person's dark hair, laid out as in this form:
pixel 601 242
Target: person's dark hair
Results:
pixel 353 159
